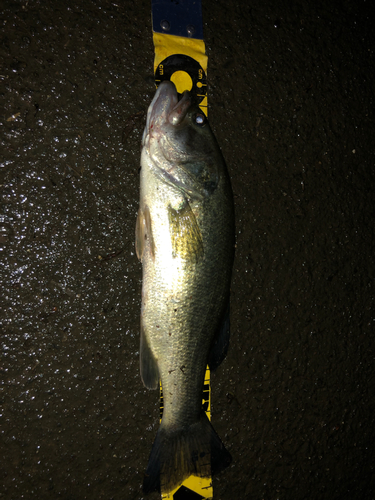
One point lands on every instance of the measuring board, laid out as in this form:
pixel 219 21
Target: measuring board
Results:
pixel 180 57
pixel 180 54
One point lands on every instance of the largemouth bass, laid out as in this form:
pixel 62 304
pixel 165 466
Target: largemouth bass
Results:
pixel 185 240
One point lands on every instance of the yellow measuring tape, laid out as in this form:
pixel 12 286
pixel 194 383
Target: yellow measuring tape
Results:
pixel 184 62
pixel 180 56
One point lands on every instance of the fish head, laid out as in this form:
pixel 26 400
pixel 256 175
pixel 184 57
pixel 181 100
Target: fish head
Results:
pixel 180 143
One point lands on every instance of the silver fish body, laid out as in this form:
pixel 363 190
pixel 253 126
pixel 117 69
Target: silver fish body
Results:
pixel 185 240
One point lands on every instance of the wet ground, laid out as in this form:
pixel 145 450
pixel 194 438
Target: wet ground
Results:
pixel 291 100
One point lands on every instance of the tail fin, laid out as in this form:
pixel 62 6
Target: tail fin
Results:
pixel 178 454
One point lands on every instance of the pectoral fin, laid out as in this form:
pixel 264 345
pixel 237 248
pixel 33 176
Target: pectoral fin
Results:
pixel 143 232
pixel 185 233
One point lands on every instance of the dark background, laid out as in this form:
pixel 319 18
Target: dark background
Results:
pixel 291 101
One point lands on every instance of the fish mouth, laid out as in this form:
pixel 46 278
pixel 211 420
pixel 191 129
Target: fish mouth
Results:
pixel 165 109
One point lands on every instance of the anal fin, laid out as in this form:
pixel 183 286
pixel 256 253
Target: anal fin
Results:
pixel 148 365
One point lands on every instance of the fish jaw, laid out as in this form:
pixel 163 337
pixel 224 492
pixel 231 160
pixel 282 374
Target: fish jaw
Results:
pixel 157 115
pixel 165 110
pixel 167 144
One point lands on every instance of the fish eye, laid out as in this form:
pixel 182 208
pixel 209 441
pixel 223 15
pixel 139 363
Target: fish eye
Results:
pixel 200 119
